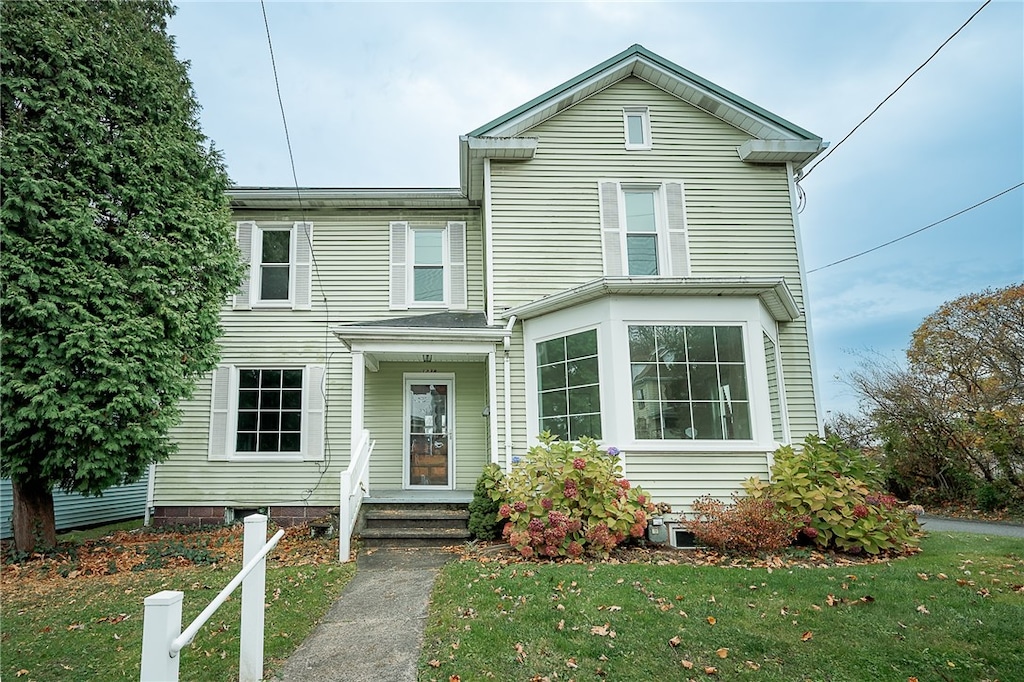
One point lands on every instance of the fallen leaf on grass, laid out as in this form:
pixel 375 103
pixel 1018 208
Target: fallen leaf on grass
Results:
pixel 687 664
pixel 21 672
pixel 561 625
pixel 723 653
pixel 712 620
pixel 434 663
pixel 806 636
pixel 454 678
pixel 571 663
pixel 602 630
pixel 752 665
pixel 923 609
pixel 922 576
pixel 710 670
pixel 520 652
pixel 675 641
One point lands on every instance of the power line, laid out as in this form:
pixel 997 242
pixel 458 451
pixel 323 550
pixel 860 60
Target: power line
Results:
pixel 905 80
pixel 919 230
pixel 312 257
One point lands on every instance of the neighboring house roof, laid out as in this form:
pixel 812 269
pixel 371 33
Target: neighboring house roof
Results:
pixel 776 139
pixel 773 292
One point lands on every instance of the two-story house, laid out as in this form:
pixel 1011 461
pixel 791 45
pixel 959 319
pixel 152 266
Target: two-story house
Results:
pixel 621 261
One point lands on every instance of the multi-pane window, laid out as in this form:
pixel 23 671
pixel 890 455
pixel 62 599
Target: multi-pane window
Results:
pixel 275 264
pixel 689 382
pixel 428 265
pixel 269 415
pixel 569 386
pixel 641 232
pixel 638 127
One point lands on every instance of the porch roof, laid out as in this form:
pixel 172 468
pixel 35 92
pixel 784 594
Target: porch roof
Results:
pixel 433 337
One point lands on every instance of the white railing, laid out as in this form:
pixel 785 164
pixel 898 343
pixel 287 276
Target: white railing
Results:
pixel 355 485
pixel 162 638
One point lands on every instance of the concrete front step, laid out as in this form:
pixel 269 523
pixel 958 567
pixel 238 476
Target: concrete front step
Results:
pixel 413 536
pixel 421 518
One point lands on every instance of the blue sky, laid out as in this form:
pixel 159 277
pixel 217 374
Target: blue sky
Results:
pixel 376 95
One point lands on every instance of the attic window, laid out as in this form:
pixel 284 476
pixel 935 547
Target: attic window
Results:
pixel 637 122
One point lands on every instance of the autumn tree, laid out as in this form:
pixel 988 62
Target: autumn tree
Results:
pixel 955 413
pixel 117 248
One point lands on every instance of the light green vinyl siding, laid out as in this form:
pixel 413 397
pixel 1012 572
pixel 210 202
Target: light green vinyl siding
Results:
pixel 545 213
pixel 679 479
pixel 350 284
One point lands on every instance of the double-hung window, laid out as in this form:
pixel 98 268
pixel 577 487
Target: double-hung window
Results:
pixel 637 124
pixel 428 265
pixel 689 382
pixel 643 229
pixel 267 412
pixel 279 256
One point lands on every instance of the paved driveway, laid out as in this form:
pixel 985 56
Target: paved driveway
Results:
pixel 941 523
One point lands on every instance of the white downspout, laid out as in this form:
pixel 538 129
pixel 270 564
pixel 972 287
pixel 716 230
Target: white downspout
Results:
pixel 507 342
pixel 150 494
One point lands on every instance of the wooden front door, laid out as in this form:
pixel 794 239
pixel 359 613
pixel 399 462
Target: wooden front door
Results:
pixel 429 443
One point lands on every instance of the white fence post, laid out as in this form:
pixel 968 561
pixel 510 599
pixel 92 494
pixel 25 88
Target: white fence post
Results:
pixel 345 518
pixel 161 625
pixel 250 646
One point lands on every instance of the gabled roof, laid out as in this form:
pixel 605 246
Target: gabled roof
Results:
pixel 640 62
pixel 776 139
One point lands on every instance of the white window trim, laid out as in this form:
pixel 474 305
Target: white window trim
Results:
pixel 223 446
pixel 300 265
pixel 402 260
pixel 257 266
pixel 645 120
pixel 612 317
pixel 446 270
pixel 531 371
pixel 660 226
pixel 673 232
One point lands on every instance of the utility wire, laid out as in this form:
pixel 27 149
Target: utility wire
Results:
pixel 919 230
pixel 905 80
pixel 312 256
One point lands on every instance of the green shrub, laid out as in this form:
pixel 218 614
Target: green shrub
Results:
pixel 833 492
pixel 567 499
pixel 993 496
pixel 749 525
pixel 484 522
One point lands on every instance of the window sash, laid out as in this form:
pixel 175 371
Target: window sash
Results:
pixel 276 259
pixel 689 382
pixel 636 123
pixel 568 385
pixel 269 411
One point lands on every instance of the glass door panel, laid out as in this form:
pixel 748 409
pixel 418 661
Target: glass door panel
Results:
pixel 429 429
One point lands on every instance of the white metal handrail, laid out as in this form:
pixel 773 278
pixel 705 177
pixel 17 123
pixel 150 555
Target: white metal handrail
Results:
pixel 355 484
pixel 182 640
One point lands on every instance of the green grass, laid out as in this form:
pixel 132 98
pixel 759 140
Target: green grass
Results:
pixel 886 622
pixel 91 628
pixel 81 535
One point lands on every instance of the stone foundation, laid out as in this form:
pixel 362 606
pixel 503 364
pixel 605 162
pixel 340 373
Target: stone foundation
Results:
pixel 216 515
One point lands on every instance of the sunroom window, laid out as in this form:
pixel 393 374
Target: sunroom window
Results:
pixel 569 386
pixel 689 382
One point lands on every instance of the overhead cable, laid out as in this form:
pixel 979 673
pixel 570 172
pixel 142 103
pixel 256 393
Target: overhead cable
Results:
pixel 905 80
pixel 919 230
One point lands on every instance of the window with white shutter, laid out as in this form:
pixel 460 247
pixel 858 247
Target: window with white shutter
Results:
pixel 643 229
pixel 280 260
pixel 428 265
pixel 267 413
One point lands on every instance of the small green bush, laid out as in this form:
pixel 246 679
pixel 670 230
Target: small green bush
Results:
pixel 567 499
pixel 484 522
pixel 749 525
pixel 994 496
pixel 833 491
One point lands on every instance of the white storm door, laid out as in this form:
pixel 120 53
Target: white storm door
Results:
pixel 429 432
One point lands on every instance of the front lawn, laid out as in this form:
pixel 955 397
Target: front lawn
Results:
pixel 77 615
pixel 953 612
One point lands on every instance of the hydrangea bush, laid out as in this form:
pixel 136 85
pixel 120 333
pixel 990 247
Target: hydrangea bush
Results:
pixel 566 499
pixel 833 491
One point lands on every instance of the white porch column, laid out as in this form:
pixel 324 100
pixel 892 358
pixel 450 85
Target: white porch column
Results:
pixel 358 384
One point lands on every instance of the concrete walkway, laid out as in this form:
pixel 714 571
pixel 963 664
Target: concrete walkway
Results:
pixel 375 630
pixel 944 523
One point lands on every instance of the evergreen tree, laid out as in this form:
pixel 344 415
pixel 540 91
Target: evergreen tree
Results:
pixel 117 248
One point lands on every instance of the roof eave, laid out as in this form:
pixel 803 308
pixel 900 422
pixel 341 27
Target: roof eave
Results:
pixel 773 292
